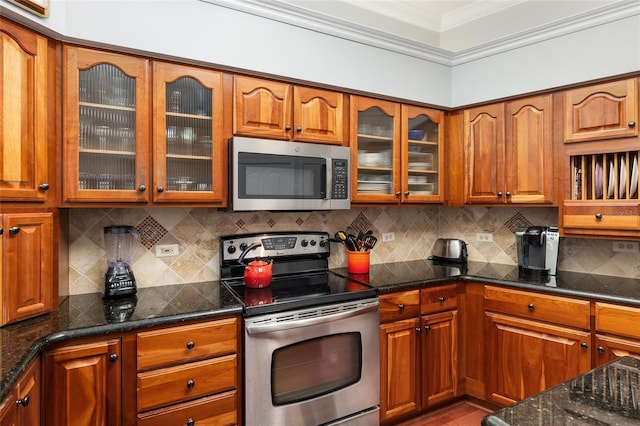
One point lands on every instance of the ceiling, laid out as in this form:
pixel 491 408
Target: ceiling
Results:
pixel 453 25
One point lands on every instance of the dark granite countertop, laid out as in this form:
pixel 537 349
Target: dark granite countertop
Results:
pixel 390 277
pixel 87 315
pixel 607 395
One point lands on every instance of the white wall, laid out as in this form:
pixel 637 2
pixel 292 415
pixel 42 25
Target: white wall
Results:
pixel 218 35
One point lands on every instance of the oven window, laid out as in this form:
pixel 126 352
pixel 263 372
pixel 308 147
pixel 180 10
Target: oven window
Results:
pixel 315 367
pixel 273 176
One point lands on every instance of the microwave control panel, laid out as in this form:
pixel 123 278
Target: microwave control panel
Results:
pixel 340 169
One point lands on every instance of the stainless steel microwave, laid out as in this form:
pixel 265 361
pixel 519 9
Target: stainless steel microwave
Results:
pixel 279 175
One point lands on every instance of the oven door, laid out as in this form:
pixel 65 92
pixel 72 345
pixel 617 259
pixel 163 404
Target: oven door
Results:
pixel 313 366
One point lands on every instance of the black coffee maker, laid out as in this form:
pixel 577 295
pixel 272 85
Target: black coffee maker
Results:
pixel 120 244
pixel 537 251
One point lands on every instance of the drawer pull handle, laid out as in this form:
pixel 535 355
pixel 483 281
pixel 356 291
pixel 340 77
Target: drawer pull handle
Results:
pixel 191 384
pixel 601 349
pixel 191 345
pixel 191 422
pixel 531 307
pixel 401 306
pixel 584 345
pixel 427 327
pixel 24 401
pixel 113 357
pixel 441 299
pixel 598 216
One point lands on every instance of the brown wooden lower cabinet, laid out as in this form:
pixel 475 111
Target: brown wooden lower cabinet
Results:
pixel 218 409
pixel 617 332
pixel 82 384
pixel 22 406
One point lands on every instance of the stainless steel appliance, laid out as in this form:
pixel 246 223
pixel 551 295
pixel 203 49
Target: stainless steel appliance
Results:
pixel 449 250
pixel 537 248
pixel 277 175
pixel 311 337
pixel 120 243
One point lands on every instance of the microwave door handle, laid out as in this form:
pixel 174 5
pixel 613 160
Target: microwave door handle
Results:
pixel 294 323
pixel 323 190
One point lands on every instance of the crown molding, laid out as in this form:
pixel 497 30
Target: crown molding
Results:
pixel 322 23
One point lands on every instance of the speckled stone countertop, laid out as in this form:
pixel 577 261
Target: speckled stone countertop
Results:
pixel 399 276
pixel 607 395
pixel 88 315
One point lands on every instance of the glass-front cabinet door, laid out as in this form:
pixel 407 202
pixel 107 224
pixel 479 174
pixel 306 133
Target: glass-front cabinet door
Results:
pixel 421 154
pixel 187 134
pixel 375 150
pixel 105 127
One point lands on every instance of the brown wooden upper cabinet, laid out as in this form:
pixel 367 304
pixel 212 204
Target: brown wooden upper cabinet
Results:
pixel 603 111
pixel 106 127
pixel 395 152
pixel 188 156
pixel 509 152
pixel 25 90
pixel 270 109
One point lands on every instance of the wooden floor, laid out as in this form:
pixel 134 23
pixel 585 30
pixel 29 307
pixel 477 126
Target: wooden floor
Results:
pixel 461 413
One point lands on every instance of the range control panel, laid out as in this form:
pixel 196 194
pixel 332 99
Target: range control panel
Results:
pixel 274 245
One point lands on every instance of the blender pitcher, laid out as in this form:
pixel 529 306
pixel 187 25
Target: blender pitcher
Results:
pixel 120 244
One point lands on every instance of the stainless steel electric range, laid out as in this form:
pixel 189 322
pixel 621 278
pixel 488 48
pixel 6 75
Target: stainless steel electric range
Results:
pixel 311 336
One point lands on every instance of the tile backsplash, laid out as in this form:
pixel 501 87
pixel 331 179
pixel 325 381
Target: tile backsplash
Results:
pixel 196 231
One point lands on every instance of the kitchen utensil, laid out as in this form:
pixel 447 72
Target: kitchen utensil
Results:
pixel 416 135
pixel 634 178
pixel 351 243
pixel 341 236
pixel 598 180
pixel 370 242
pixel 623 178
pixel 612 178
pixel 258 273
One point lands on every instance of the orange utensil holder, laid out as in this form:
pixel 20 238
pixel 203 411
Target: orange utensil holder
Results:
pixel 358 262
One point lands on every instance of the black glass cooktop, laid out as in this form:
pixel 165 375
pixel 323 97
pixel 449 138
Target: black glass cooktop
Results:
pixel 298 291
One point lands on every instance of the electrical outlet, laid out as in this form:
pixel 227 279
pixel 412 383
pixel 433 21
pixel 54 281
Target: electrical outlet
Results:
pixel 484 237
pixel 626 246
pixel 167 250
pixel 388 236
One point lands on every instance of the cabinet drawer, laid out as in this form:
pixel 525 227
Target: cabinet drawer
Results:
pixel 543 307
pixel 401 305
pixel 438 299
pixel 175 384
pixel 217 410
pixel 594 216
pixel 616 319
pixel 185 343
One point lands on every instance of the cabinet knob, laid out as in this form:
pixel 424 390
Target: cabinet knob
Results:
pixel 401 306
pixel 43 186
pixel 632 124
pixel 1 230
pixel 508 194
pixel 142 188
pixel 598 216
pixel 584 345
pixel 427 327
pixel 14 230
pixel 398 194
pixel 531 306
pixel 418 330
pixel 190 345
pixel 160 189
pixel 287 127
pixel 406 193
pixel 299 129
pixel 601 349
pixel 499 194
pixel 24 401
pixel 191 384
pixel 441 299
pixel 113 357
pixel 191 422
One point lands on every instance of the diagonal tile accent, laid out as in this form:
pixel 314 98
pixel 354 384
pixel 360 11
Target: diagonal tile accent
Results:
pixel 150 232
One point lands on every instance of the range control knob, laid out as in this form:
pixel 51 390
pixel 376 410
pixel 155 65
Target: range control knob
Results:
pixel 323 243
pixel 231 249
pixel 313 243
pixel 243 246
pixel 304 243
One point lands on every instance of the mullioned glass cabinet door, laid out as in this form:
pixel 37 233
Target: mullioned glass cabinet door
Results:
pixel 105 127
pixel 187 150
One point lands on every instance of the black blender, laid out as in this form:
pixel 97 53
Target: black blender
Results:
pixel 120 243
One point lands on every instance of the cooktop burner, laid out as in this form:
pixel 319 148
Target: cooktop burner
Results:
pixel 300 272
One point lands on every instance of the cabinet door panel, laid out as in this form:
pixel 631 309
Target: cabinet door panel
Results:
pixel 23 84
pixel 529 150
pixel 83 384
pixel 27 281
pixel 484 153
pixel 611 348
pixel 261 108
pixel 318 115
pixel 439 357
pixel 399 368
pixel 528 357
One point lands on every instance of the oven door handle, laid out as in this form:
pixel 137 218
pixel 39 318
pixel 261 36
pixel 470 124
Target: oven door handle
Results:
pixel 296 323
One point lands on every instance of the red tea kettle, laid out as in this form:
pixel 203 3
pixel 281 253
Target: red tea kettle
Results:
pixel 258 273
